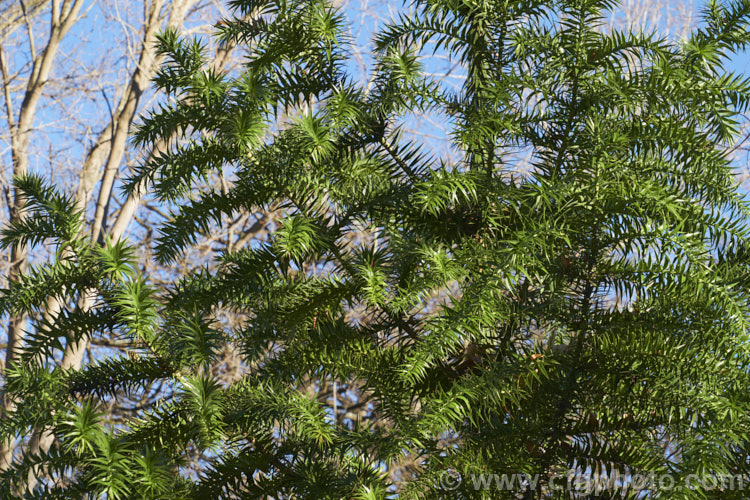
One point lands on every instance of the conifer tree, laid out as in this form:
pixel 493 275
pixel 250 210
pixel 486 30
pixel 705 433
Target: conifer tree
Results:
pixel 590 317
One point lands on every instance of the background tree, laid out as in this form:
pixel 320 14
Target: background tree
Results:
pixel 462 312
pixel 68 112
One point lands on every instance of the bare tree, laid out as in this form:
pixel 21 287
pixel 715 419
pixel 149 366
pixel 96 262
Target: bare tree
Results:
pixel 69 105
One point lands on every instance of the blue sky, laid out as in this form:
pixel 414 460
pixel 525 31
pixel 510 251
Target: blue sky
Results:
pixel 98 41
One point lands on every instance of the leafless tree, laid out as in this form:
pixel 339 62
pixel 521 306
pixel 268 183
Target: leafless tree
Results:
pixel 75 75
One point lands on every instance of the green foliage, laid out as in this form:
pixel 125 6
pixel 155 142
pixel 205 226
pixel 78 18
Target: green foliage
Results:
pixel 590 316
